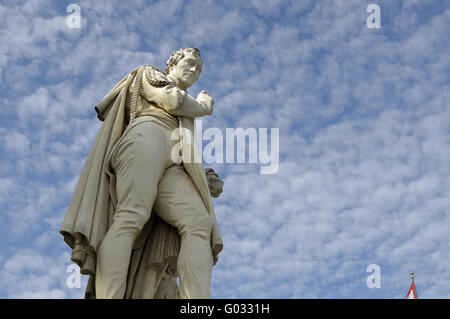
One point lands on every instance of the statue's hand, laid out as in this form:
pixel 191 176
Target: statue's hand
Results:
pixel 204 97
pixel 214 182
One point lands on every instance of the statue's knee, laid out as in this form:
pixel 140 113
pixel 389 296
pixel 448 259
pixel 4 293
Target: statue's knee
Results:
pixel 131 221
pixel 199 226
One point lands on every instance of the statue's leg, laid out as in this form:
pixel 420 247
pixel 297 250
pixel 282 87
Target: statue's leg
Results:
pixel 167 288
pixel 180 205
pixel 141 158
pixel 147 282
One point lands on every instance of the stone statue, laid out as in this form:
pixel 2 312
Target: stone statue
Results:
pixel 142 214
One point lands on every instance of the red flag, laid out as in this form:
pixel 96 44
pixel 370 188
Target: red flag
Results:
pixel 412 293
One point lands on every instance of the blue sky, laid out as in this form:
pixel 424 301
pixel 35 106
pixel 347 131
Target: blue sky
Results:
pixel 364 139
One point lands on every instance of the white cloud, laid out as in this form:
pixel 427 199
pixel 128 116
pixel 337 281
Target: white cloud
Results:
pixel 29 274
pixel 364 140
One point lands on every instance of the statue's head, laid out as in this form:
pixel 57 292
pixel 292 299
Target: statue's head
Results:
pixel 185 66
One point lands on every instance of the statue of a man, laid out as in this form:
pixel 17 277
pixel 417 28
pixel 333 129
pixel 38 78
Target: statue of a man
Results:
pixel 142 205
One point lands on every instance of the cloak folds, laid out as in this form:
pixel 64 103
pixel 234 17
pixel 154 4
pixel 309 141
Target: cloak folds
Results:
pixel 90 212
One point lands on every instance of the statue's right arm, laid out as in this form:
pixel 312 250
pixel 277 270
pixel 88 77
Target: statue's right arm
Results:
pixel 174 100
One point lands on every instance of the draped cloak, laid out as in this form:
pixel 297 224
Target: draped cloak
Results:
pixel 90 212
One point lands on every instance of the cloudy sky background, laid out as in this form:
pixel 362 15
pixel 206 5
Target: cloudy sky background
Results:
pixel 363 114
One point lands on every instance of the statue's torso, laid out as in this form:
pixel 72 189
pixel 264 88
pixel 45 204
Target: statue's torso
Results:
pixel 145 107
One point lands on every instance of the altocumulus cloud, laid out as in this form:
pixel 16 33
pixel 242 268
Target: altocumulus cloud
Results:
pixel 364 137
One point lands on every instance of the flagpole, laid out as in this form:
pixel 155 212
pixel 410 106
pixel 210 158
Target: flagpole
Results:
pixel 414 284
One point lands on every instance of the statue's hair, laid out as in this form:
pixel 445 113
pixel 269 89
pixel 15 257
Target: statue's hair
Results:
pixel 177 55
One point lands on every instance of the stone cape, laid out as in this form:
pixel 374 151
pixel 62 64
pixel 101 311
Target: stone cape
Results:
pixel 91 210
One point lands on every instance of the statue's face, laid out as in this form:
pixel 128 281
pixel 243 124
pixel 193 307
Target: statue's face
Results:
pixel 188 69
